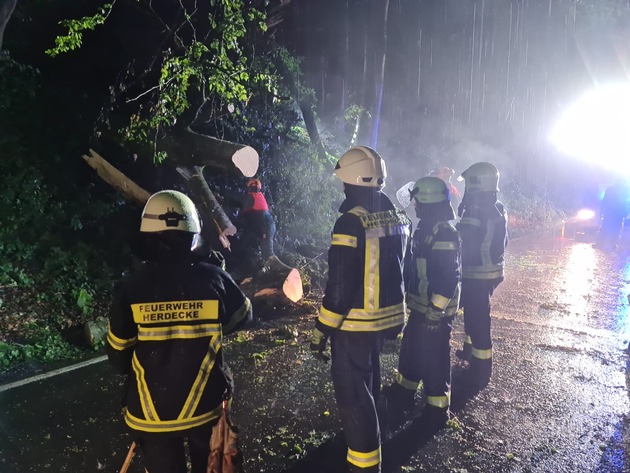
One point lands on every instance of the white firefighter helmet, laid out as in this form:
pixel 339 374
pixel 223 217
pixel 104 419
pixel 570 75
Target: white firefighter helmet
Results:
pixel 481 177
pixel 361 166
pixel 430 190
pixel 170 210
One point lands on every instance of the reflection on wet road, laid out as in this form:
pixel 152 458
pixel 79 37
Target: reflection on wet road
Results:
pixel 558 400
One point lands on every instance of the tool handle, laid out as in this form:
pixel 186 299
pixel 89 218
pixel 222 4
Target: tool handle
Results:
pixel 130 454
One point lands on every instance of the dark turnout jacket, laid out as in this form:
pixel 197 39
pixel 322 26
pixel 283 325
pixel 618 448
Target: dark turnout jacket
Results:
pixel 483 230
pixel 365 289
pixel 165 329
pixel 433 268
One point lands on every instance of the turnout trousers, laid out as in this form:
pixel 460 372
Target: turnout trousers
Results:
pixel 425 357
pixel 164 453
pixel 356 375
pixel 475 300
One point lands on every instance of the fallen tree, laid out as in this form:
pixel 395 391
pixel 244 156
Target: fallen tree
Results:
pixel 187 148
pixel 275 282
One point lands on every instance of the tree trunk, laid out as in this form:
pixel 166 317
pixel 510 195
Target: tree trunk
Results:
pixel 188 148
pixel 116 179
pixel 380 81
pixel 7 7
pixel 217 224
pixel 311 127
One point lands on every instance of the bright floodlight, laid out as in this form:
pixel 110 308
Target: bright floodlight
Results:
pixel 597 128
pixel 585 214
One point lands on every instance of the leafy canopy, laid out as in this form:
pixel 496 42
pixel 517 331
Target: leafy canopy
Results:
pixel 199 61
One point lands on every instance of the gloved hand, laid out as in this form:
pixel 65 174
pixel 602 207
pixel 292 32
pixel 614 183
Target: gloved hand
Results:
pixel 318 345
pixel 432 318
pixel 217 259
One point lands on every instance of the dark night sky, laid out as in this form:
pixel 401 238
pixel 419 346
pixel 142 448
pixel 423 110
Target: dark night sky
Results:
pixel 465 80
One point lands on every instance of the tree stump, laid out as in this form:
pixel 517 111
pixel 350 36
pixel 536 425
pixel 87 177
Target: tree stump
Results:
pixel 275 281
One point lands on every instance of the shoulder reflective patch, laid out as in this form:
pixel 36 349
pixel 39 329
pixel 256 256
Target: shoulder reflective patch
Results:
pixel 358 211
pixel 344 240
pixel 174 311
pixel 380 219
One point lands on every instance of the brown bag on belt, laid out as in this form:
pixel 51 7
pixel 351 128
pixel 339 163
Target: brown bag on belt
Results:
pixel 225 456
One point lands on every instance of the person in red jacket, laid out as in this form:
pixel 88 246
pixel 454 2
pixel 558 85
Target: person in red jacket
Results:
pixel 259 227
pixel 166 324
pixel 445 173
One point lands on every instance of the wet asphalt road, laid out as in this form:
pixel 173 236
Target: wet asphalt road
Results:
pixel 558 400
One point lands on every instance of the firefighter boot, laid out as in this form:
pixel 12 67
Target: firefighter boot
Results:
pixel 479 374
pixel 434 418
pixel 465 353
pixel 372 469
pixel 399 402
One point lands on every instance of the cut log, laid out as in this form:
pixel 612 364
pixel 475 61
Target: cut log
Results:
pixel 188 148
pixel 276 279
pixel 116 179
pixel 210 210
pixel 95 330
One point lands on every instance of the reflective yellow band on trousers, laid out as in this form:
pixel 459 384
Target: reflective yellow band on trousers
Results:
pixel 438 401
pixel 407 383
pixel 482 354
pixel 364 460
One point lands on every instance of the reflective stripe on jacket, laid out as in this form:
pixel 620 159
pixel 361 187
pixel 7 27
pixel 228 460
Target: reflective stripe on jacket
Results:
pixel 435 268
pixel 365 291
pixel 166 327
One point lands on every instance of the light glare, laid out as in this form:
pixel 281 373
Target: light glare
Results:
pixel 585 214
pixel 597 128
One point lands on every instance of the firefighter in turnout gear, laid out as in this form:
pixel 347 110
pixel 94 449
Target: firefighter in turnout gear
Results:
pixel 364 299
pixel 433 280
pixel 483 230
pixel 165 329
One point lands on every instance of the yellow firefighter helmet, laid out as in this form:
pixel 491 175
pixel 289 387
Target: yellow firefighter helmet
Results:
pixel 361 166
